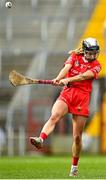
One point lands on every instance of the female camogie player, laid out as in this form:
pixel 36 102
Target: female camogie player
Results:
pixel 77 75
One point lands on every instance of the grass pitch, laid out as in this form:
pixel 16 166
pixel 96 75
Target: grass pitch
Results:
pixel 52 167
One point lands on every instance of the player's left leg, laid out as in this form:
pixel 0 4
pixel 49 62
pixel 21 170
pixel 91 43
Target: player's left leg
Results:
pixel 78 126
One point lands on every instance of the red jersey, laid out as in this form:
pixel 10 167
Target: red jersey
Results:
pixel 81 65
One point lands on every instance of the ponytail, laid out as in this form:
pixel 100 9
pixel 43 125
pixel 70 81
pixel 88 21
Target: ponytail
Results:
pixel 77 51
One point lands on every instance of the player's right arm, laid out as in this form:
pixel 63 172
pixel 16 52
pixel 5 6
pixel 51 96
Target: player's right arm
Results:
pixel 62 74
pixel 67 66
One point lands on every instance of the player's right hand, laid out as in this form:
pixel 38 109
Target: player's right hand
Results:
pixel 55 82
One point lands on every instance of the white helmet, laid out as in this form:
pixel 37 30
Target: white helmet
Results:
pixel 91 48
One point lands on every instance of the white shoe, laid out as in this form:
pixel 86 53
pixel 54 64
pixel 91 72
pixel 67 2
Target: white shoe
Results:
pixel 73 171
pixel 37 142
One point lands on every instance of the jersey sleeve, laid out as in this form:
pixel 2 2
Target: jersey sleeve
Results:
pixel 96 69
pixel 70 60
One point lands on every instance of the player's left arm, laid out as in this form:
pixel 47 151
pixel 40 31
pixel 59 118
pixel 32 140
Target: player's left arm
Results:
pixel 89 74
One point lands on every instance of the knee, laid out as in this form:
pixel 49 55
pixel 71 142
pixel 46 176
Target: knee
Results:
pixel 55 117
pixel 77 139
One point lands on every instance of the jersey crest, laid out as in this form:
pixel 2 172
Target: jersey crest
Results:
pixel 77 63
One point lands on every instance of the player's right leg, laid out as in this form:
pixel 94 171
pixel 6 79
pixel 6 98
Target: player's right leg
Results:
pixel 59 109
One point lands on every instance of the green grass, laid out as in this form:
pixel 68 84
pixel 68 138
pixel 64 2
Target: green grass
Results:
pixel 52 167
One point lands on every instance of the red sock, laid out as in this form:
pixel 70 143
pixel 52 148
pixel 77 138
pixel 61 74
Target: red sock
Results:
pixel 43 135
pixel 75 161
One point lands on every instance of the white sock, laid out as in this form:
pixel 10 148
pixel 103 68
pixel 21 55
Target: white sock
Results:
pixel 73 167
pixel 41 139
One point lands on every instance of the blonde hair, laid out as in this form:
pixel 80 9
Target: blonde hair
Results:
pixel 77 51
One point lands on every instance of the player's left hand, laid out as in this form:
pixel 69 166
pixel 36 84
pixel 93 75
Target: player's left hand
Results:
pixel 64 82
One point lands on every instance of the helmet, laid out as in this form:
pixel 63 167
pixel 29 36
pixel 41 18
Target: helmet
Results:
pixel 91 48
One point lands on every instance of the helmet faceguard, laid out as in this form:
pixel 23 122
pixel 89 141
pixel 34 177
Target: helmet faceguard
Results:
pixel 90 48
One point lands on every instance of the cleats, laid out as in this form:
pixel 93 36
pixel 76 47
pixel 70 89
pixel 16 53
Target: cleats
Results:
pixel 73 171
pixel 37 142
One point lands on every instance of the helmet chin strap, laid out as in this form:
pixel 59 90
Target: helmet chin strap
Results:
pixel 88 59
